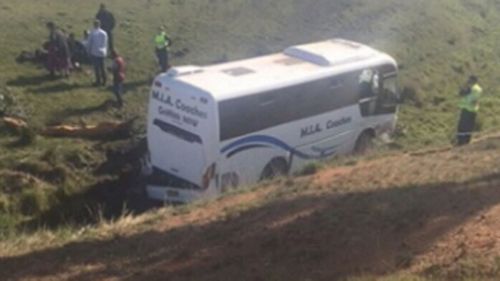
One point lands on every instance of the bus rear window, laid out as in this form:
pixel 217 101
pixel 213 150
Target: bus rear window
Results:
pixel 177 132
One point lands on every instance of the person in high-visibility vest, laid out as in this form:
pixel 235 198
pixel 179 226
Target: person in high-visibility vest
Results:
pixel 162 42
pixel 469 104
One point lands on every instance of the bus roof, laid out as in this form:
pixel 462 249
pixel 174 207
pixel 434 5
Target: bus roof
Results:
pixel 294 65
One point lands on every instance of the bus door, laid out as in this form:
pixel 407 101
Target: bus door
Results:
pixel 388 97
pixel 378 91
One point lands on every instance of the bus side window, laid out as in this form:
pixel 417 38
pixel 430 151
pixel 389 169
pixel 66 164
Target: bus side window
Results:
pixel 368 87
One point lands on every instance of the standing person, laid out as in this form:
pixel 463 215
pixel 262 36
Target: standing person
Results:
pixel 59 57
pixel 118 70
pixel 64 53
pixel 98 50
pixel 107 23
pixel 162 42
pixel 469 104
pixel 51 48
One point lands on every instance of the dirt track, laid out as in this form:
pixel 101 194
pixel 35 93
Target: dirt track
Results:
pixel 397 214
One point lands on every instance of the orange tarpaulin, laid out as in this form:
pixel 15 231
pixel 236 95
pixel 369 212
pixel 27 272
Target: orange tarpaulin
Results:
pixel 104 129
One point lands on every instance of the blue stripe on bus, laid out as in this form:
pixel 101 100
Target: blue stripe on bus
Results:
pixel 234 147
pixel 245 148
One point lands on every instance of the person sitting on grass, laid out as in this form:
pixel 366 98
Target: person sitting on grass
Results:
pixel 78 52
pixel 118 70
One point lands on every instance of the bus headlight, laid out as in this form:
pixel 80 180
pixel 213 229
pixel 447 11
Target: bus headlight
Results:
pixel 209 175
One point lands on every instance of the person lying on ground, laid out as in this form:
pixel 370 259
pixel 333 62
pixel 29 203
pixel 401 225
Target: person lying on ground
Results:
pixel 37 57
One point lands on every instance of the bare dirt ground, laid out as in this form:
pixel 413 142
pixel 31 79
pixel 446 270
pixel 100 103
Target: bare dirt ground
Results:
pixel 432 215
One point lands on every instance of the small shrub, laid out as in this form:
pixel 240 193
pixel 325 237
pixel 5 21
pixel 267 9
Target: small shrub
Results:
pixel 27 136
pixel 400 131
pixel 310 169
pixel 410 95
pixel 289 182
pixel 50 156
pixel 7 224
pixel 79 159
pixel 35 168
pixel 43 170
pixel 33 201
pixel 58 174
pixel 4 203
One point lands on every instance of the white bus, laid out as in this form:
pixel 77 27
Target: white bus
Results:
pixel 218 127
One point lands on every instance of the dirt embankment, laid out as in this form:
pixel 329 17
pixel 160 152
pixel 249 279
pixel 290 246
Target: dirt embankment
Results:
pixel 424 214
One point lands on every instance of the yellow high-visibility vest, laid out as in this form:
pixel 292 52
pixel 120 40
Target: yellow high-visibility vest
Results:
pixel 161 40
pixel 470 102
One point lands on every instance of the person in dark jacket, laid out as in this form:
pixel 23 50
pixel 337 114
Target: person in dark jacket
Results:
pixel 78 51
pixel 107 23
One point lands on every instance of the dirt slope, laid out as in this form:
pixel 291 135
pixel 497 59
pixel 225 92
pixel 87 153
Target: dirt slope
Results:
pixel 433 215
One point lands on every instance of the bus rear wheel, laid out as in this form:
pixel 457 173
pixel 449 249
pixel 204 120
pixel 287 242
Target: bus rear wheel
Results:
pixel 276 168
pixel 364 144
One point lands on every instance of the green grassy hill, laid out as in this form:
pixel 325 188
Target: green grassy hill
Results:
pixel 437 44
pixel 66 181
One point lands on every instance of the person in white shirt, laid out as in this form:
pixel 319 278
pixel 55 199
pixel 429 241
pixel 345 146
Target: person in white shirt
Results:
pixel 97 48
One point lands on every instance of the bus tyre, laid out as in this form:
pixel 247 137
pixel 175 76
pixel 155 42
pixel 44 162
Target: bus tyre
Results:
pixel 364 144
pixel 276 168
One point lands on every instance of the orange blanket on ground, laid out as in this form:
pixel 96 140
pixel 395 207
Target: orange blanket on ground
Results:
pixel 104 129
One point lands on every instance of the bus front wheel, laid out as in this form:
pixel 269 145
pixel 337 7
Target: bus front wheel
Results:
pixel 365 143
pixel 276 168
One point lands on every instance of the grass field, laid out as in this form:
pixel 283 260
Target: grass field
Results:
pixel 64 183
